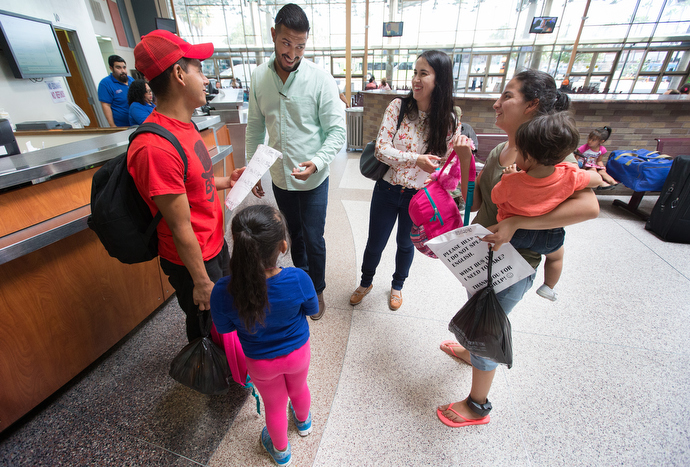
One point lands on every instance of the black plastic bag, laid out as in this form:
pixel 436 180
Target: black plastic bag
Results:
pixel 482 327
pixel 202 365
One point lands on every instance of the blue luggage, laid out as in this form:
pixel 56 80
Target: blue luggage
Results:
pixel 639 169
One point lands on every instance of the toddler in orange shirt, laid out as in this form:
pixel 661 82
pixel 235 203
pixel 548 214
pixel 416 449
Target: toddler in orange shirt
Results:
pixel 543 182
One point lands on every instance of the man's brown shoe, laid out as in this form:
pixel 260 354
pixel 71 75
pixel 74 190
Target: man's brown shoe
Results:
pixel 359 293
pixel 322 308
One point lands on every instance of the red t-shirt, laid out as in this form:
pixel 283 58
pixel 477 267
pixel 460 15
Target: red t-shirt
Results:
pixel 157 169
pixel 519 194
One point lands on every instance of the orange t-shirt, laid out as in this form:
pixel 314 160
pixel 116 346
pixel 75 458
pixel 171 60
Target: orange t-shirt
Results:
pixel 519 194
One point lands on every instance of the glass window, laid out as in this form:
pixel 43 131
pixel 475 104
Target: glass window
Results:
pixel 664 85
pixel 644 85
pixel 460 70
pixel 208 68
pixel 498 64
pixel 599 83
pixel 223 64
pixel 577 81
pixel 493 84
pixel 478 64
pixel 676 11
pixel 607 13
pixel 486 38
pixel 647 12
pixel 632 64
pixel 604 62
pixel 653 61
pixel 582 62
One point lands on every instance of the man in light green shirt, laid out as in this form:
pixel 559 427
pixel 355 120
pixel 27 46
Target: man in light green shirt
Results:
pixel 299 104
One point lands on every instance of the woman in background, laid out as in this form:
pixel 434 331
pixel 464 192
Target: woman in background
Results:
pixel 140 99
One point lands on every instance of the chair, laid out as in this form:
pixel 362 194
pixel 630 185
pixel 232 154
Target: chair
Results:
pixel 669 146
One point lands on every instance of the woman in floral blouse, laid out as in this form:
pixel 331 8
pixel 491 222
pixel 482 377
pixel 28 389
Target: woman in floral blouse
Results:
pixel 422 142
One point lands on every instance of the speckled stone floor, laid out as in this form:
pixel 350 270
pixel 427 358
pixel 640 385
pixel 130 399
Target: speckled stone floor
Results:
pixel 599 376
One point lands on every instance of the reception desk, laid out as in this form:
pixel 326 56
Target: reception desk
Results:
pixel 63 300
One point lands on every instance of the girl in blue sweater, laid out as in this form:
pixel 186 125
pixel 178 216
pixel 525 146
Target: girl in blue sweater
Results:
pixel 268 306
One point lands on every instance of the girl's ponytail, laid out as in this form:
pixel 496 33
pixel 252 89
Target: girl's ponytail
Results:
pixel 606 133
pixel 257 233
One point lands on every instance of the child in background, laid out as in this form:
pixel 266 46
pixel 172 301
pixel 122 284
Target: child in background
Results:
pixel 543 182
pixel 590 156
pixel 268 306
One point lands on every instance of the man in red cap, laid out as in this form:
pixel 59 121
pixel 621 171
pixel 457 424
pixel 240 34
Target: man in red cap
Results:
pixel 190 236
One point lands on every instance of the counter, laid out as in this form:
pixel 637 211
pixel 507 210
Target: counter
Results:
pixel 63 300
pixel 227 105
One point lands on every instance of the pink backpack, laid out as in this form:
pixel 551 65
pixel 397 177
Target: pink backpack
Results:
pixel 433 210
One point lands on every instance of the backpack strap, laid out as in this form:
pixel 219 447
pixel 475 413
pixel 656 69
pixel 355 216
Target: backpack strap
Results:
pixel 150 127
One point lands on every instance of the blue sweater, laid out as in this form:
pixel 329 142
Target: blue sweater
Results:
pixel 139 112
pixel 291 298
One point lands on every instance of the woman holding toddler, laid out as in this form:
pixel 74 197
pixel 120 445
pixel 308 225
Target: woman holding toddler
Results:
pixel 529 94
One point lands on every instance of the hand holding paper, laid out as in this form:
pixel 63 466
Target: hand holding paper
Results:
pixel 465 255
pixel 263 159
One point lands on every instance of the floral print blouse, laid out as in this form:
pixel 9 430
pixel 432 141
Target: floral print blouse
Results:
pixel 400 150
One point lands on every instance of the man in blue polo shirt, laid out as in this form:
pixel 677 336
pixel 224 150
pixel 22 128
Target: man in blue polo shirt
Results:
pixel 112 92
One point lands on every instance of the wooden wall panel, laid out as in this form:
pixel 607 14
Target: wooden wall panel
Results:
pixel 28 206
pixel 63 306
pixel 223 135
pixel 209 139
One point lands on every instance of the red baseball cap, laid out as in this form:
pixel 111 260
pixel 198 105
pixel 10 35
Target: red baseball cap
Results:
pixel 161 49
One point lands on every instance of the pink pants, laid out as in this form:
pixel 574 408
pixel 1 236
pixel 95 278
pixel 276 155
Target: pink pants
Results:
pixel 280 378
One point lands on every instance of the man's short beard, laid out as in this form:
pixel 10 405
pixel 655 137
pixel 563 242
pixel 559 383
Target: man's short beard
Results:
pixel 280 63
pixel 123 78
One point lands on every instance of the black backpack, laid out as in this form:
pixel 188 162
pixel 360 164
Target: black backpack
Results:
pixel 119 215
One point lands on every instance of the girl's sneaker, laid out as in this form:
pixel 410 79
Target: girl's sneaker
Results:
pixel 279 457
pixel 547 292
pixel 303 428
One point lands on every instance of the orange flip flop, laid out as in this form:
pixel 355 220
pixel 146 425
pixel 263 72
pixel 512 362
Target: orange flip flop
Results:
pixel 467 422
pixel 451 352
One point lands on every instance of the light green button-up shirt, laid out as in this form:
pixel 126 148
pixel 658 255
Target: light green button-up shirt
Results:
pixel 304 118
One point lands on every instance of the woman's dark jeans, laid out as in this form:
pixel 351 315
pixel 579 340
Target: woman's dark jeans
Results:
pixel 388 204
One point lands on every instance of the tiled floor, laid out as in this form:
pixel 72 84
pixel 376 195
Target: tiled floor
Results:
pixel 600 376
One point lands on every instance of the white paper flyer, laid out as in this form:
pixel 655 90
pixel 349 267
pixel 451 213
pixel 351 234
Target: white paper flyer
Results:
pixel 263 159
pixel 462 251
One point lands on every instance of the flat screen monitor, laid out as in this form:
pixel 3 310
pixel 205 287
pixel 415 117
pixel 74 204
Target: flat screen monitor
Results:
pixel 166 24
pixel 392 29
pixel 543 24
pixel 31 47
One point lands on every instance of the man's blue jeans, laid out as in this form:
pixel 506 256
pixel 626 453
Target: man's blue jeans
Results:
pixel 305 212
pixel 388 204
